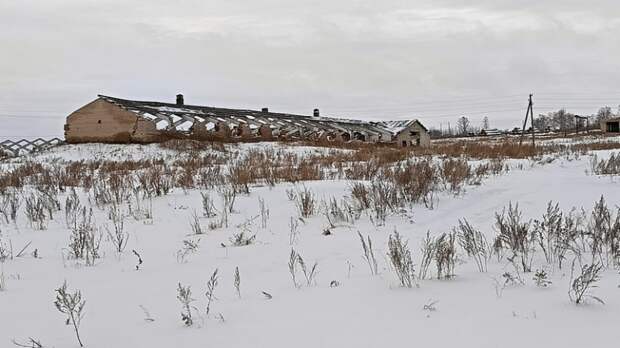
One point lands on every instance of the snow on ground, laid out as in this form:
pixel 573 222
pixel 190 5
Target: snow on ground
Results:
pixel 363 311
pixel 137 152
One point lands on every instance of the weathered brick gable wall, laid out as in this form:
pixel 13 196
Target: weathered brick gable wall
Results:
pixel 101 121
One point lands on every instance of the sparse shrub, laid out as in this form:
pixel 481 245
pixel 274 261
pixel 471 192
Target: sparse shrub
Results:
pixel 604 234
pixel 210 294
pixel 455 172
pixel 140 208
pixel 309 274
pixel 49 200
pixel 305 202
pixel 400 258
pixel 612 239
pixel 239 176
pixel 292 266
pixel 72 208
pixel 508 280
pixel 291 195
pixel 264 212
pixel 185 178
pixel 2 280
pixel 547 232
pixel 541 279
pixel 514 234
pixel 296 260
pixel 445 255
pixel 5 251
pixel 156 180
pixel 72 305
pixel 611 166
pixel 85 240
pixel 32 343
pixel 572 232
pixel 384 198
pixel 9 205
pixel 237 282
pixel 416 181
pixel 599 228
pixel 115 187
pixel 581 286
pixel 293 230
pixel 208 207
pixel 35 212
pixel 474 243
pixel 334 213
pixel 117 235
pixel 184 295
pixel 369 255
pixel 194 223
pixel 229 196
pixel 242 239
pixel 427 250
pixel 189 247
pixel 360 195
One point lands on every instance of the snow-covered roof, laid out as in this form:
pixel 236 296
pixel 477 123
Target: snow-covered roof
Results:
pixel 396 127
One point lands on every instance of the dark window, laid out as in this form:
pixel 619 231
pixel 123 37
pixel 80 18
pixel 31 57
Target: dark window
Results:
pixel 404 143
pixel 613 127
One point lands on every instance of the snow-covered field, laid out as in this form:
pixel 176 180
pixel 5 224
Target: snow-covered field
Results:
pixel 345 305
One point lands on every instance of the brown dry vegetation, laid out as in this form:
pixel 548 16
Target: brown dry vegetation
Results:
pixel 210 164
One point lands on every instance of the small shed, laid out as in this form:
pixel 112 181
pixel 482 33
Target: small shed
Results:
pixel 611 125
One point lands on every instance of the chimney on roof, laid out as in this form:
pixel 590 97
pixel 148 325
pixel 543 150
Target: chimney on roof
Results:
pixel 180 99
pixel 316 113
pixel 265 110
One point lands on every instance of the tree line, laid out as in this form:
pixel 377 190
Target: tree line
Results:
pixel 560 120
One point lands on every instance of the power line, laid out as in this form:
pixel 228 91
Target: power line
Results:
pixel 31 116
pixel 451 109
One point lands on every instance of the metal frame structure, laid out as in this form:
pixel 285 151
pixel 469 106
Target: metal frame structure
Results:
pixel 184 118
pixel 15 148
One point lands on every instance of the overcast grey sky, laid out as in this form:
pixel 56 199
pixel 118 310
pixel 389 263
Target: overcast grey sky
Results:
pixel 434 60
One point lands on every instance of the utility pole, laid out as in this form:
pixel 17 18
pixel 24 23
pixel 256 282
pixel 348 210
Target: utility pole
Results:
pixel 530 113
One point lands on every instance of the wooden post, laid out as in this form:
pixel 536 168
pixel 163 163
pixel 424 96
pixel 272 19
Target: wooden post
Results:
pixel 576 125
pixel 530 113
pixel 531 106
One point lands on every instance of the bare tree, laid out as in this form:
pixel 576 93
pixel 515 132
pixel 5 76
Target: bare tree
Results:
pixel 603 114
pixel 485 123
pixel 463 125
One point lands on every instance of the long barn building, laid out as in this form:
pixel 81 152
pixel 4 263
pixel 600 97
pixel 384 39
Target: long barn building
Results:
pixel 114 120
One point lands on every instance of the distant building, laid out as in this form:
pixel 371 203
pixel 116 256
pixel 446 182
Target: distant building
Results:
pixel 114 120
pixel 611 125
pixel 491 132
pixel 406 133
